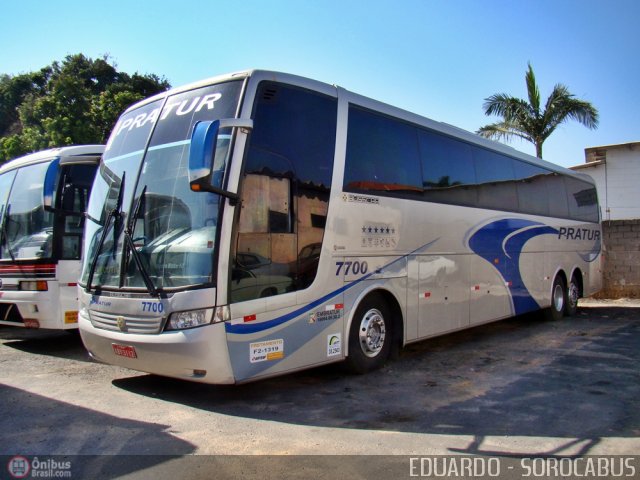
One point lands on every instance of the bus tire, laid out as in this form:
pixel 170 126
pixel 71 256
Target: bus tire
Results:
pixel 558 299
pixel 573 294
pixel 370 335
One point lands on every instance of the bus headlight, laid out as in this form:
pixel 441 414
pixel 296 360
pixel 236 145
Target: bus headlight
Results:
pixel 190 319
pixel 198 318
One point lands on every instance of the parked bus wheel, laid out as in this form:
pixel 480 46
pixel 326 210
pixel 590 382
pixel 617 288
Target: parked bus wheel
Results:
pixel 573 294
pixel 370 335
pixel 558 299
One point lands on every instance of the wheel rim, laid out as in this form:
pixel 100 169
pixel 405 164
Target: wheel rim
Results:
pixel 558 298
pixel 372 333
pixel 573 295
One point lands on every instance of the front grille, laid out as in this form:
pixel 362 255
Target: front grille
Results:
pixel 129 323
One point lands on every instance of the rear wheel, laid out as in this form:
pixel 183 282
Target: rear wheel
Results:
pixel 558 299
pixel 370 335
pixel 573 294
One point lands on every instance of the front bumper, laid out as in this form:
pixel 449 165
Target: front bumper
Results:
pixel 197 354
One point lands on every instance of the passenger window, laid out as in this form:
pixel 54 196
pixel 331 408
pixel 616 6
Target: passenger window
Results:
pixel 532 188
pixel 496 179
pixel 557 196
pixel 382 156
pixel 582 199
pixel 285 192
pixel 447 166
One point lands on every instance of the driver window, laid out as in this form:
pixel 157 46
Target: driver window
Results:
pixel 284 192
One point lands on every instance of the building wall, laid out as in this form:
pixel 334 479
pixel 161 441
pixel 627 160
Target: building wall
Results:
pixel 623 181
pixel 621 259
pixel 616 171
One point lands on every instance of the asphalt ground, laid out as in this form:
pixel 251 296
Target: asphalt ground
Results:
pixel 520 387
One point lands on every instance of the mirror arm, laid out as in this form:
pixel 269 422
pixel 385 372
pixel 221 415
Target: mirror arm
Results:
pixel 233 197
pixel 245 124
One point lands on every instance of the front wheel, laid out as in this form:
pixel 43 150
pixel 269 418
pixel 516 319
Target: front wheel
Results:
pixel 370 335
pixel 558 299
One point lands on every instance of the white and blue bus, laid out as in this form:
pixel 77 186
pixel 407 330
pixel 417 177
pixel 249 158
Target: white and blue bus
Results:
pixel 260 223
pixel 43 197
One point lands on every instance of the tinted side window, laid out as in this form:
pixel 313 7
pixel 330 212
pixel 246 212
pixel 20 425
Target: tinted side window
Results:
pixel 284 193
pixel 496 179
pixel 382 155
pixel 557 196
pixel 447 168
pixel 582 199
pixel 532 188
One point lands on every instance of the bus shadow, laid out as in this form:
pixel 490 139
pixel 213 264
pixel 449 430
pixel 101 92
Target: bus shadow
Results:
pixel 54 343
pixel 575 379
pixel 88 439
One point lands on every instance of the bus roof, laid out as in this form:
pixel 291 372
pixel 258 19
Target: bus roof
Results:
pixel 78 151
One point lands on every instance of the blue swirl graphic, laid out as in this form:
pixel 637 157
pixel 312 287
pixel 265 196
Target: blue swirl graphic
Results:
pixel 500 243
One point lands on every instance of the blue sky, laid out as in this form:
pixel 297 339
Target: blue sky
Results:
pixel 437 58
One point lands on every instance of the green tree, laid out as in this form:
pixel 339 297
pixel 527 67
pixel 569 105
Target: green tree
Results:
pixel 76 101
pixel 527 120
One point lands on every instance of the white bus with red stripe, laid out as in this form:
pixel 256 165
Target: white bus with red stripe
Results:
pixel 260 223
pixel 43 198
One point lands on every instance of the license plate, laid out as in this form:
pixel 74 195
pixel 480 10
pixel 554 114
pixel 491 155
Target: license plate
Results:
pixel 124 350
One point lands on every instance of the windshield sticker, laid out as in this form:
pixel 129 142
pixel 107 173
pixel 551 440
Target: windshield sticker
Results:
pixel 266 351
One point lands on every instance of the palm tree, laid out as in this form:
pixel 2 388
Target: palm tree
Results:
pixel 526 120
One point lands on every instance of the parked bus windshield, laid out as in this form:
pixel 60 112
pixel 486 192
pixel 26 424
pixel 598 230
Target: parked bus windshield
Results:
pixel 43 199
pixel 28 228
pixel 142 204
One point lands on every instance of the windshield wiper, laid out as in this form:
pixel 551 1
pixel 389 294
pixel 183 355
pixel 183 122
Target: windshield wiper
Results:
pixel 128 236
pixel 113 214
pixel 4 231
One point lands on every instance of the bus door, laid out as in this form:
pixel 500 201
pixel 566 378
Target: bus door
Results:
pixel 72 197
pixel 276 248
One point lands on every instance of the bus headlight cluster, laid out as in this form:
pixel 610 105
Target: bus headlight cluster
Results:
pixel 197 318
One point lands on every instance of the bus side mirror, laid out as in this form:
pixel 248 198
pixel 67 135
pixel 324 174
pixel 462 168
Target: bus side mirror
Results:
pixel 49 187
pixel 204 137
pixel 205 142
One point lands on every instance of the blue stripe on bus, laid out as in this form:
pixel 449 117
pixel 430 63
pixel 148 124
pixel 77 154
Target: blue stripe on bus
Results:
pixel 245 328
pixel 500 243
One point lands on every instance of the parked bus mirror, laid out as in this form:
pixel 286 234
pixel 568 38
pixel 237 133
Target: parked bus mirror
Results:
pixel 201 154
pixel 204 143
pixel 49 186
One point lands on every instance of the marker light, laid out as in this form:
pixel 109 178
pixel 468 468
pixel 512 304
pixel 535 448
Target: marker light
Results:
pixel 34 285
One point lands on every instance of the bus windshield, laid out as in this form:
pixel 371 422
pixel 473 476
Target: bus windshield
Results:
pixel 146 228
pixel 27 228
